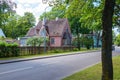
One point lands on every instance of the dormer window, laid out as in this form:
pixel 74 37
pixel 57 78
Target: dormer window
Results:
pixel 42 32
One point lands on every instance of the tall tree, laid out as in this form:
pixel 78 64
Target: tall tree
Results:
pixel 107 66
pixel 56 11
pixel 117 14
pixel 6 9
pixel 24 24
pixel 11 26
pixel 18 26
pixel 106 22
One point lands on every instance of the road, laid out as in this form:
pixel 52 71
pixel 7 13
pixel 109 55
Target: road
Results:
pixel 50 68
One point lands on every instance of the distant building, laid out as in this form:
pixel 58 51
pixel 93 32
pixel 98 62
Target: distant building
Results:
pixel 1 33
pixel 58 32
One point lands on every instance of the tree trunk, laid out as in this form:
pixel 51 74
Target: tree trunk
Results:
pixel 78 37
pixel 107 67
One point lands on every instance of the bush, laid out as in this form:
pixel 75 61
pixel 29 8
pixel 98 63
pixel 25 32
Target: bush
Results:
pixel 8 49
pixel 36 41
pixel 56 51
pixel 75 49
pixel 88 42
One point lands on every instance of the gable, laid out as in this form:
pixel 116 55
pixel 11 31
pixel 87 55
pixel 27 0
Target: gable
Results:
pixel 53 28
pixel 56 27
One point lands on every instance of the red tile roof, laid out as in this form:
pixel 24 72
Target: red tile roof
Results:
pixel 53 27
pixel 31 32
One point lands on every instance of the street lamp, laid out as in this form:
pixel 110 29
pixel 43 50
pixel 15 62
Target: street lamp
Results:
pixel 44 24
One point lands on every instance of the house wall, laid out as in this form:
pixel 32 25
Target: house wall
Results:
pixel 57 42
pixel 23 41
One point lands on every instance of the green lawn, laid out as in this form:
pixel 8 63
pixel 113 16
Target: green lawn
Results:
pixel 94 72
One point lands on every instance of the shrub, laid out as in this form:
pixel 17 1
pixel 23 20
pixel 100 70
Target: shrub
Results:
pixel 35 41
pixel 56 51
pixel 8 49
pixel 75 49
pixel 87 42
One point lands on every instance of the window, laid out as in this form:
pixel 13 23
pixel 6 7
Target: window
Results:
pixel 42 33
pixel 52 41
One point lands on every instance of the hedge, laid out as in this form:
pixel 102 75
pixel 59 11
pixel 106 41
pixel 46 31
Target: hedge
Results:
pixel 8 49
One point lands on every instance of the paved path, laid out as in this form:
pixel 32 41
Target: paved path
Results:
pixel 54 68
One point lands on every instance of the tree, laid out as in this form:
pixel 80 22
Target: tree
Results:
pixel 18 26
pixel 73 14
pixel 25 23
pixel 117 40
pixel 116 17
pixel 106 22
pixel 6 9
pixel 107 66
pixel 113 37
pixel 11 26
pixel 35 41
pixel 57 11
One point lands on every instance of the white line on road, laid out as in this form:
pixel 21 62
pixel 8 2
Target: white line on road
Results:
pixel 16 70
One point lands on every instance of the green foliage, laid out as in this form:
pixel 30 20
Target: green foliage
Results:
pixel 56 51
pixel 8 49
pixel 35 41
pixel 88 42
pixel 6 9
pixel 57 11
pixel 117 41
pixel 113 37
pixel 116 17
pixel 75 49
pixel 18 26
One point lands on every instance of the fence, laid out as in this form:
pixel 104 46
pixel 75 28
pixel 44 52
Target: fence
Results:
pixel 22 51
pixel 38 50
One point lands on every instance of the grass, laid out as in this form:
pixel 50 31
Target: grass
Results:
pixel 94 72
pixel 47 54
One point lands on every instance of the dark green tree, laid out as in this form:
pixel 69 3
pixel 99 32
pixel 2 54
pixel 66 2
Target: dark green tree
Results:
pixel 6 10
pixel 56 11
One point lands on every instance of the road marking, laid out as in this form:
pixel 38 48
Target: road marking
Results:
pixel 16 70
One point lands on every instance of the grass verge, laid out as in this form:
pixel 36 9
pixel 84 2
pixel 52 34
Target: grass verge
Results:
pixel 94 72
pixel 48 54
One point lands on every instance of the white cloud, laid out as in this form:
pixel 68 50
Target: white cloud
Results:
pixel 29 1
pixel 20 10
pixel 34 6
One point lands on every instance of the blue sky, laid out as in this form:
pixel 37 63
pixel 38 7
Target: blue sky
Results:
pixel 34 6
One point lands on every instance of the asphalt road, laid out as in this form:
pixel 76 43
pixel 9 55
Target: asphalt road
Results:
pixel 50 68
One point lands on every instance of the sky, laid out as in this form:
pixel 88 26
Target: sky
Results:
pixel 34 6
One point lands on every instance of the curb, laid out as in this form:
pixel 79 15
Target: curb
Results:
pixel 44 57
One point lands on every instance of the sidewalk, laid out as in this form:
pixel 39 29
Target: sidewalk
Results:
pixel 43 57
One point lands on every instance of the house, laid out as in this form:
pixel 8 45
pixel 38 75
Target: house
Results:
pixel 58 32
pixel 1 33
